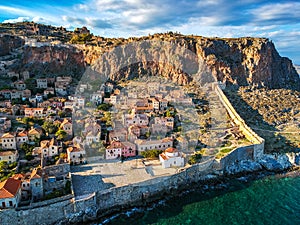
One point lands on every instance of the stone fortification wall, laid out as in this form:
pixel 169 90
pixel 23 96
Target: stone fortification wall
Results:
pixel 45 212
pixel 115 199
pixel 258 142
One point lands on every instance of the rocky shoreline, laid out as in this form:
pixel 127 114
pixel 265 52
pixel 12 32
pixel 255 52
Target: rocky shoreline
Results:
pixel 244 172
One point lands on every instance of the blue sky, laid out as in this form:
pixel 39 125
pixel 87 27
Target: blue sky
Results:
pixel 278 20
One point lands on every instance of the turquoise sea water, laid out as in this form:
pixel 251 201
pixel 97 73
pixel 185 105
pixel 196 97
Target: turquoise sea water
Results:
pixel 268 201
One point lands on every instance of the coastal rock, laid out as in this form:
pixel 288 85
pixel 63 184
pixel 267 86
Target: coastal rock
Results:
pixel 275 163
pixel 297 159
pixel 244 166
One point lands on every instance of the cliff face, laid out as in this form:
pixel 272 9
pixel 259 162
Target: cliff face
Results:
pixel 8 42
pixel 244 61
pixel 53 60
pixel 248 61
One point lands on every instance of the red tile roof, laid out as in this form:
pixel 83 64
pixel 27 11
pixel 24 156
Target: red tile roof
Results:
pixel 9 188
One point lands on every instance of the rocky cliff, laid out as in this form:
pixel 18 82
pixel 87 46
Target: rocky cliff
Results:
pixel 53 60
pixel 244 61
pixel 9 42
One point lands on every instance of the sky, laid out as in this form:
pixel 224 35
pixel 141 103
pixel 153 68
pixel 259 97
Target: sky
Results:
pixel 278 20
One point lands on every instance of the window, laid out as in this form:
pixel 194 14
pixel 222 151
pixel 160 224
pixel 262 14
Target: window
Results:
pixel 3 205
pixel 10 203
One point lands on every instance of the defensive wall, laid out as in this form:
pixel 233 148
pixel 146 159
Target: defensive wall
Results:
pixel 251 152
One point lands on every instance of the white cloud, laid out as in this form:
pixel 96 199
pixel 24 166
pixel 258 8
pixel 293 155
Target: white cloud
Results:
pixel 17 20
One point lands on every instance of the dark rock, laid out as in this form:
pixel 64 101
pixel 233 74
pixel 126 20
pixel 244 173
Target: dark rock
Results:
pixel 244 166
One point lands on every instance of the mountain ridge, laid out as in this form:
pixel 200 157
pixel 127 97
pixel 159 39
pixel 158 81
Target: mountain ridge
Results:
pixel 242 61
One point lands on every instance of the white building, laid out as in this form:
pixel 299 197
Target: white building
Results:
pixel 171 158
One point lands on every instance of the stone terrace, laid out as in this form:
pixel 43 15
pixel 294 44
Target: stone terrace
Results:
pixel 113 173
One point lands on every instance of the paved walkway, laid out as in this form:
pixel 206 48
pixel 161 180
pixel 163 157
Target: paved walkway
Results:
pixel 106 174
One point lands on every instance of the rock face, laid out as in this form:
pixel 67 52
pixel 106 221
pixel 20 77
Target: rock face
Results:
pixel 53 60
pixel 245 61
pixel 9 42
pixel 244 166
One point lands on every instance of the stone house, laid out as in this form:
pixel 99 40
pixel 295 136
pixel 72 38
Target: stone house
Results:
pixel 34 133
pixel 10 193
pixel 15 94
pixel 8 141
pixel 25 75
pixel 162 144
pixel 21 137
pixel 6 93
pixel 36 184
pixel 166 121
pixel 67 126
pixel 34 112
pixel 19 85
pixel 159 129
pixel 9 156
pixel 44 104
pixel 26 93
pixel 55 177
pixel 92 137
pixel 5 124
pixel 49 148
pixel 76 154
pixel 118 134
pixel 171 158
pixel 135 119
pixel 41 83
pixel 49 91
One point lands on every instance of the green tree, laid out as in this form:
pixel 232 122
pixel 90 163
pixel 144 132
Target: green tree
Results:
pixel 196 158
pixel 152 154
pixel 61 135
pixel 49 127
pixel 104 106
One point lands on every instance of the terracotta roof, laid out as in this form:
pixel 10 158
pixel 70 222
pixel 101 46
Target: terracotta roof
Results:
pixel 18 176
pixel 35 131
pixel 7 153
pixel 8 135
pixel 36 173
pixel 9 188
pixel 33 109
pixel 163 156
pixel 22 134
pixel 171 150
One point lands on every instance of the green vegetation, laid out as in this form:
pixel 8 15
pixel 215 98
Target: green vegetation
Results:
pixel 81 38
pixel 27 149
pixel 49 127
pixel 6 170
pixel 152 154
pixel 61 135
pixel 105 106
pixel 196 158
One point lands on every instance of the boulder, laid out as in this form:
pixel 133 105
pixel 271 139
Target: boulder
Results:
pixel 244 166
pixel 275 163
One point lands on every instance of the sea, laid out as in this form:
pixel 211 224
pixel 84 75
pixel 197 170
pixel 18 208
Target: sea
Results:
pixel 271 200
